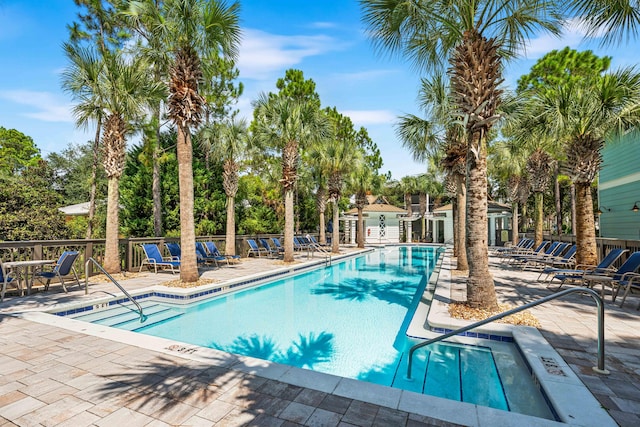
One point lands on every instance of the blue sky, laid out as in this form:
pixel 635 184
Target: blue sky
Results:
pixel 325 39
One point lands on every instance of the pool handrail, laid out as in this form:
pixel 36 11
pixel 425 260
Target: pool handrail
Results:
pixel 143 318
pixel 599 369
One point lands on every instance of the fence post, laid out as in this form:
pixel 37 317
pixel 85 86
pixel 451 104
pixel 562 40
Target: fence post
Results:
pixel 37 251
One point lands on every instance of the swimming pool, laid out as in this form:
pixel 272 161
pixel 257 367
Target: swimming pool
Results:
pixel 349 319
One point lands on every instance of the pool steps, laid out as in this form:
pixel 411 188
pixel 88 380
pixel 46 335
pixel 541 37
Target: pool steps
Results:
pixel 125 315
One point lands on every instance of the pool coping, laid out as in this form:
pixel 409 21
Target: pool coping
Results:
pixel 570 399
pixel 431 406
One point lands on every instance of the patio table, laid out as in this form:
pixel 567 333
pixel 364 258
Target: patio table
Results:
pixel 24 267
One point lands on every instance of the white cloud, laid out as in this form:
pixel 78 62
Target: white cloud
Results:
pixel 365 75
pixel 370 117
pixel 572 36
pixel 263 54
pixel 45 105
pixel 323 25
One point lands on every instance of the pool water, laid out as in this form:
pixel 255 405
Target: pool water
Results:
pixel 348 319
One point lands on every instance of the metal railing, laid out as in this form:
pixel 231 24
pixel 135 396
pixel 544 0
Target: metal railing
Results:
pixel 599 369
pixel 143 318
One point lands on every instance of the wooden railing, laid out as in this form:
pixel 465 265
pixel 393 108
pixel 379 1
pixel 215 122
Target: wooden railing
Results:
pixel 604 245
pixel 131 254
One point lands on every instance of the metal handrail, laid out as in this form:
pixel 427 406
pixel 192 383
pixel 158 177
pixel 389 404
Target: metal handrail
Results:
pixel 599 369
pixel 143 318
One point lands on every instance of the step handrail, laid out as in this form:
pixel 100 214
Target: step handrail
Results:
pixel 143 318
pixel 599 369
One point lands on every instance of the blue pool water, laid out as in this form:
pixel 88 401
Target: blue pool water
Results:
pixel 349 319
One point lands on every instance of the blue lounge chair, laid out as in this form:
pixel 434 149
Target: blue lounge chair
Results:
pixel 201 250
pixel 565 261
pixel 64 267
pixel 528 252
pixel 577 274
pixel 254 248
pixel 154 258
pixel 271 251
pixel 624 277
pixel 277 244
pixel 5 281
pixel 554 249
pixel 176 252
pixel 213 250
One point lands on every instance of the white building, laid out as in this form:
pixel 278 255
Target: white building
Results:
pixel 381 223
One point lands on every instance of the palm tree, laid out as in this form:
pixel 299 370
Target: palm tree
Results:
pixel 285 124
pixel 474 37
pixel 142 18
pixel 409 186
pixel 426 138
pixel 128 92
pixel 584 115
pixel 82 80
pixel 196 29
pixel 362 181
pixel 231 143
pixel 337 157
pixel 508 159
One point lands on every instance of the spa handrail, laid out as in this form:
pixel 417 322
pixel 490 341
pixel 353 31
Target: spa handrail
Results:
pixel 143 318
pixel 599 369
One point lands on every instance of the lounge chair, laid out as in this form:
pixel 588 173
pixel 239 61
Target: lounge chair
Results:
pixel 577 274
pixel 528 252
pixel 201 251
pixel 624 277
pixel 176 252
pixel 62 268
pixel 254 248
pixel 271 251
pixel 553 251
pixel 277 244
pixel 524 243
pixel 565 261
pixel 299 244
pixel 213 250
pixel 154 258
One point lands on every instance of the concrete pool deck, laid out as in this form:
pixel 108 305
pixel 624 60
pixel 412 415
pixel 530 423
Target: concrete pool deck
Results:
pixel 52 375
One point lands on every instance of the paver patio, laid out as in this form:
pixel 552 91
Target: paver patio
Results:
pixel 53 376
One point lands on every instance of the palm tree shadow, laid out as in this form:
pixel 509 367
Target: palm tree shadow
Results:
pixel 254 346
pixel 359 289
pixel 306 352
pixel 309 351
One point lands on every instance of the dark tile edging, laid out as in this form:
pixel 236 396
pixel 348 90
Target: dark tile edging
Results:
pixel 215 290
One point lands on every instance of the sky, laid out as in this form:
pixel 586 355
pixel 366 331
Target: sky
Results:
pixel 326 39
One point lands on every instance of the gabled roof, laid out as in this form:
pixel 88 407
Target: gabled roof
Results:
pixel 75 210
pixel 378 207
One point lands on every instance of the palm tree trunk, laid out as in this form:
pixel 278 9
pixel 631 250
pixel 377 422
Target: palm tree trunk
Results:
pixel 514 223
pixel 111 250
pixel 288 225
pixel 323 235
pixel 481 291
pixel 156 190
pixel 558 205
pixel 94 179
pixel 188 262
pixel 360 228
pixel 585 226
pixel 461 223
pixel 538 198
pixel 335 238
pixel 230 243
pixel 573 209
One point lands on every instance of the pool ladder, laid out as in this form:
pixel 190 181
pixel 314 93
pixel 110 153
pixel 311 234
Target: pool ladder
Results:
pixel 599 369
pixel 143 318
